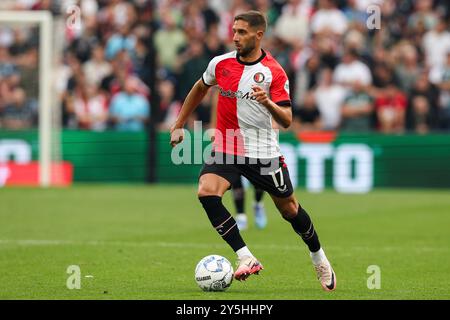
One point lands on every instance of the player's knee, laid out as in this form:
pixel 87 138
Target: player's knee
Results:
pixel 211 186
pixel 289 209
pixel 205 190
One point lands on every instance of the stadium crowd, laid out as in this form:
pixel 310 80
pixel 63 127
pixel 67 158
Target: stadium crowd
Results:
pixel 346 71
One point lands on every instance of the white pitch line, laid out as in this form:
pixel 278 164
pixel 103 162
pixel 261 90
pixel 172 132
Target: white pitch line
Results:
pixel 196 245
pixel 30 242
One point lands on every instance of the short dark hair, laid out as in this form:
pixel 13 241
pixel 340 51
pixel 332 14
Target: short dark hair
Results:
pixel 253 18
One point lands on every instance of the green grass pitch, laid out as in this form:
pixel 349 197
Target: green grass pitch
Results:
pixel 143 242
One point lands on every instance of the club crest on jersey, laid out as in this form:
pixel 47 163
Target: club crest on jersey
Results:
pixel 259 77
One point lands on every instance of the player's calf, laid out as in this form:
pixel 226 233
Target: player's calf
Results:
pixel 222 221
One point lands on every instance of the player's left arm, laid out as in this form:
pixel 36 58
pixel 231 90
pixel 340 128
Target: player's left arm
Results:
pixel 281 114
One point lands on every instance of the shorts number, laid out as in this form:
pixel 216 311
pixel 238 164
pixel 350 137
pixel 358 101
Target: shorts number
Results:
pixel 279 185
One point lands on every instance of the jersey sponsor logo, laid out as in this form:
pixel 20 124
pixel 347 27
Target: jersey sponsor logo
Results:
pixel 235 94
pixel 259 77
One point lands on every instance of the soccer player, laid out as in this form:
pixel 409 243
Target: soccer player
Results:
pixel 239 203
pixel 254 89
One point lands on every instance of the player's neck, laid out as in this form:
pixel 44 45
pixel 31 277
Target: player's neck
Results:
pixel 253 57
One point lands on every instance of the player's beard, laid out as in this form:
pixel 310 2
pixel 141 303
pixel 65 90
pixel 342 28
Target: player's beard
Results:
pixel 246 50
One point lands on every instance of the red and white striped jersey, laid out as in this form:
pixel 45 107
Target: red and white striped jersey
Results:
pixel 244 126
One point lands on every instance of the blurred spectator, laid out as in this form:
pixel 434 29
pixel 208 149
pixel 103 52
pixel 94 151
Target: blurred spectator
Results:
pixel 328 19
pixel 327 49
pixel 357 110
pixel 379 55
pixel 440 76
pixel 144 60
pixel 383 77
pixel 307 116
pixel 90 108
pixel 329 98
pixel 407 69
pixel 6 37
pixel 293 23
pixel 391 109
pixel 129 110
pixel 213 46
pixel 77 77
pixel 168 107
pixel 168 41
pixel 121 40
pixel 97 67
pixel 69 118
pixel 193 23
pixel 114 14
pixel 210 16
pixel 19 113
pixel 356 17
pixel 393 25
pixel 121 69
pixel 423 15
pixel 354 40
pixel 7 67
pixel 89 9
pixel 82 44
pixel 421 115
pixel 112 83
pixel 351 69
pixel 282 51
pixel 64 71
pixel 436 44
pixel 203 111
pixel 21 42
pixel 191 64
pixel 307 78
pixel 29 75
pixel 422 87
pixel 271 10
pixel 384 74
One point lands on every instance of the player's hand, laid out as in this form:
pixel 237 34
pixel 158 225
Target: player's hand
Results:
pixel 260 95
pixel 176 135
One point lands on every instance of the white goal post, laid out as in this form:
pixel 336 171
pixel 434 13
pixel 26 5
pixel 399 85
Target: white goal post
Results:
pixel 44 20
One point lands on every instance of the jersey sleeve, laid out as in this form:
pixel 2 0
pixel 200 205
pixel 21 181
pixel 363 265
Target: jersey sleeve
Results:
pixel 209 76
pixel 279 89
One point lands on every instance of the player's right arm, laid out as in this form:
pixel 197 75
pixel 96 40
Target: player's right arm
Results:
pixel 191 102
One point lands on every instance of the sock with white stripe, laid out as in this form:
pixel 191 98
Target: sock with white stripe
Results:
pixel 222 221
pixel 304 227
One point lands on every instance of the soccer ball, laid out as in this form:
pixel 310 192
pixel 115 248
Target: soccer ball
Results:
pixel 214 273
